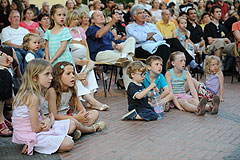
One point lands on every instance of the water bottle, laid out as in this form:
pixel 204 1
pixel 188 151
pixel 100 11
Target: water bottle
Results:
pixel 157 105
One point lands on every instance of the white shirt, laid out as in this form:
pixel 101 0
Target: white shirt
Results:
pixel 14 35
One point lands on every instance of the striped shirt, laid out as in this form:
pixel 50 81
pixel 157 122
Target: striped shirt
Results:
pixel 178 83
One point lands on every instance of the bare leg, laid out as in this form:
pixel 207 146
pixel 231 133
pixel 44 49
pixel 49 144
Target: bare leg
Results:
pixel 195 83
pixel 93 102
pixel 167 98
pixel 66 145
pixel 1 112
pixel 83 128
pixel 93 117
pixel 187 106
pixel 72 127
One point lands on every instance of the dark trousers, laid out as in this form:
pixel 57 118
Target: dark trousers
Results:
pixel 175 45
pixel 163 51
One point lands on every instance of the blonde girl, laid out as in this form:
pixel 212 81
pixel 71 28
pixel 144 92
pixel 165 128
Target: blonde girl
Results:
pixel 31 43
pixel 176 78
pixel 27 21
pixel 183 35
pixel 58 37
pixel 62 98
pixel 213 84
pixel 30 126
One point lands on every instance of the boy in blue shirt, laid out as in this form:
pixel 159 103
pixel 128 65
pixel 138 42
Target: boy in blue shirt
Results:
pixel 154 75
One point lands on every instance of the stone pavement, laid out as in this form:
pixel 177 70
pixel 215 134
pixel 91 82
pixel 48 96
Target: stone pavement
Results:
pixel 180 135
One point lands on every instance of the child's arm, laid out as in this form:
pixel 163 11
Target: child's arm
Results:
pixel 141 94
pixel 59 51
pixel 47 51
pixel 51 96
pixel 166 91
pixel 168 78
pixel 32 102
pixel 221 81
pixel 191 85
pixel 189 41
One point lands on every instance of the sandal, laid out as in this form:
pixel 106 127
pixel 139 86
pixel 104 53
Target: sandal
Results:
pixel 5 131
pixel 101 125
pixel 76 134
pixel 104 107
pixel 166 107
pixel 201 106
pixel 215 105
pixel 8 124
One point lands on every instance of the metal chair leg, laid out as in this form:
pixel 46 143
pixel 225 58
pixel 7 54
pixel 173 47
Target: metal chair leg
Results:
pixel 104 85
pixel 110 78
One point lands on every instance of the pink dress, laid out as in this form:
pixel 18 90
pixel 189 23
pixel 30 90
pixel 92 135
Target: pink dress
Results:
pixel 43 142
pixel 31 27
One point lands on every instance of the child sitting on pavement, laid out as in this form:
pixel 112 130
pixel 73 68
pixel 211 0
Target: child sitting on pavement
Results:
pixel 154 75
pixel 138 106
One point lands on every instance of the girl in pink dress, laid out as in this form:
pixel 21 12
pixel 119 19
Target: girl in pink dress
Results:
pixel 27 21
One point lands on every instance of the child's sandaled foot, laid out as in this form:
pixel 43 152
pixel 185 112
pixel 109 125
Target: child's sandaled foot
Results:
pixel 215 104
pixel 103 107
pixel 4 131
pixel 201 106
pixel 76 134
pixel 166 107
pixel 99 126
pixel 24 149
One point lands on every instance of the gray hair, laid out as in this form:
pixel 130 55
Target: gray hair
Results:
pixel 13 11
pixel 135 8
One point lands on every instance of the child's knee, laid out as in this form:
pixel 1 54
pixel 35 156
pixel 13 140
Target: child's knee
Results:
pixel 72 125
pixel 68 143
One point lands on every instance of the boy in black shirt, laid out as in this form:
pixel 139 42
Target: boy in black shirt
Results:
pixel 138 106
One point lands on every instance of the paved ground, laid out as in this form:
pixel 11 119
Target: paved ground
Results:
pixel 180 135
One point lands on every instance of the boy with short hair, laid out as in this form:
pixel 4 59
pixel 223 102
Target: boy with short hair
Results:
pixel 138 106
pixel 154 75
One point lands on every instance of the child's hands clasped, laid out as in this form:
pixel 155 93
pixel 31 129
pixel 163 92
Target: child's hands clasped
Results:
pixel 47 123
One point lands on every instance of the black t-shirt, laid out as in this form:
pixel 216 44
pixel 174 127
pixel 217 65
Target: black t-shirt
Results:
pixel 133 102
pixel 196 32
pixel 211 30
pixel 184 8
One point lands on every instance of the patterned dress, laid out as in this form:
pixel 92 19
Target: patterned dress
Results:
pixel 54 43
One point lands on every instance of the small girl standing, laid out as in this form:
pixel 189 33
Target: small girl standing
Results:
pixel 176 78
pixel 27 21
pixel 58 37
pixel 31 43
pixel 182 34
pixel 138 106
pixel 30 127
pixel 62 97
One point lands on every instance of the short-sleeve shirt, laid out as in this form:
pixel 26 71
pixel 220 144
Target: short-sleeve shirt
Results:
pixel 166 30
pixel 211 30
pixel 134 103
pixel 184 8
pixel 54 43
pixel 160 81
pixel 98 44
pixel 31 27
pixel 196 32
pixel 236 27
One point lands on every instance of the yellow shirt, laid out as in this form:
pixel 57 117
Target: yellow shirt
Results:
pixel 166 29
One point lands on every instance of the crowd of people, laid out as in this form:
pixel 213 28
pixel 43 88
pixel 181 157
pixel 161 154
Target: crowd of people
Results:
pixel 42 49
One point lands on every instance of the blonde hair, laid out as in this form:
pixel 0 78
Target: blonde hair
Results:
pixel 71 16
pixel 208 64
pixel 136 66
pixel 84 14
pixel 58 70
pixel 27 38
pixel 153 58
pixel 29 87
pixel 178 21
pixel 172 58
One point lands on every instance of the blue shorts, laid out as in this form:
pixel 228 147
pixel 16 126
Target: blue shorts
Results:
pixel 148 114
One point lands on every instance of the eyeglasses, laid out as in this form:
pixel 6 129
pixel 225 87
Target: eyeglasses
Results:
pixel 141 74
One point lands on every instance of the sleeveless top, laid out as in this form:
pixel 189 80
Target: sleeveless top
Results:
pixel 178 83
pixel 63 108
pixel 212 83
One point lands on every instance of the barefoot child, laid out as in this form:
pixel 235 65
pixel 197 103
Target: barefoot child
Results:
pixel 213 84
pixel 63 101
pixel 30 127
pixel 176 78
pixel 154 75
pixel 138 106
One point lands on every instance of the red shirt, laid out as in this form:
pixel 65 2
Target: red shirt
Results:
pixel 236 27
pixel 31 27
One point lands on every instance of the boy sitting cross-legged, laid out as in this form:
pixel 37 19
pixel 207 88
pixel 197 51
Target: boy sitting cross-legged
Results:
pixel 138 106
pixel 154 75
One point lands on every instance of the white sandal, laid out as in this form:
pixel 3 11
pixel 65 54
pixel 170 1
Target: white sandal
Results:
pixel 101 125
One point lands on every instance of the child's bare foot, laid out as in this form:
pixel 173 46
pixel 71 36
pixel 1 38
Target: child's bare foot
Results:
pixel 201 106
pixel 215 104
pixel 25 149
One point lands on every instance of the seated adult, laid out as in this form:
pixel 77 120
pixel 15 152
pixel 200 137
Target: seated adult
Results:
pixel 33 7
pixel 166 27
pixel 148 38
pixel 12 36
pixel 77 45
pixel 215 36
pixel 27 20
pixel 84 21
pixel 45 8
pixel 103 47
